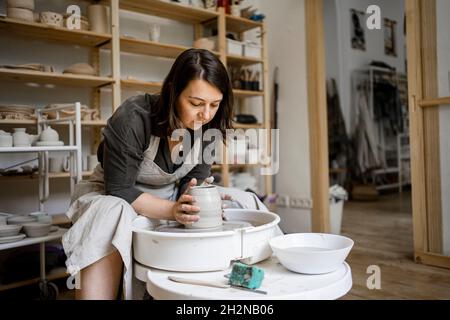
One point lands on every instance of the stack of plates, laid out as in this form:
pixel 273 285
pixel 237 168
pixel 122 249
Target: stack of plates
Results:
pixel 36 229
pixel 10 233
pixel 21 220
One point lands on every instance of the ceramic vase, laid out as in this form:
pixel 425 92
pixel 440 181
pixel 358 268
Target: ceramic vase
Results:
pixel 208 199
pixel 21 138
pixel 97 15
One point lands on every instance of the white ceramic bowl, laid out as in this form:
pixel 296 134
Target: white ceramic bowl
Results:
pixel 52 18
pixel 311 253
pixel 9 230
pixel 20 13
pixel 42 217
pixel 21 220
pixel 36 229
pixel 24 4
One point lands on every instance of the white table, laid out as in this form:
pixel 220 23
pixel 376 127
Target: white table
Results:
pixel 279 283
pixel 47 288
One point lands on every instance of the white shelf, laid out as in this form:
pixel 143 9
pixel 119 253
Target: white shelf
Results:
pixel 29 241
pixel 36 149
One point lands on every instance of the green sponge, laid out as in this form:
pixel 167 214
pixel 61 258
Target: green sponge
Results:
pixel 246 276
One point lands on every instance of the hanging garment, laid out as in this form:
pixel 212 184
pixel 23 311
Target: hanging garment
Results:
pixel 337 134
pixel 367 146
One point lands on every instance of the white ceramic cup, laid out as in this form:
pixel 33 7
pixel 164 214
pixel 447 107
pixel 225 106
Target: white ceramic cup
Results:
pixel 208 199
pixel 155 32
pixel 6 140
pixel 55 164
pixel 97 15
pixel 91 162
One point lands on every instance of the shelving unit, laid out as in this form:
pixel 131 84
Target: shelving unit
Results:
pixel 199 18
pixel 48 289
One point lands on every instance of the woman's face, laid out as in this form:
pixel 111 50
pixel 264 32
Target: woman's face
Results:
pixel 198 104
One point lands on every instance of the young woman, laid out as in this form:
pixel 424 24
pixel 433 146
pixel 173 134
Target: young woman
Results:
pixel 137 175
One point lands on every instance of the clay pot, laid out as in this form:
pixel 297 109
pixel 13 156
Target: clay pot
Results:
pixel 52 19
pixel 80 68
pixel 19 13
pixel 49 134
pixel 21 138
pixel 6 140
pixel 37 229
pixel 205 43
pixel 208 199
pixel 97 15
pixel 24 4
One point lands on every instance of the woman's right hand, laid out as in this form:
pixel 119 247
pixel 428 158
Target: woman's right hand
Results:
pixel 183 211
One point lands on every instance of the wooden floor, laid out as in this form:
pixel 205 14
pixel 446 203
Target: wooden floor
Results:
pixel 383 236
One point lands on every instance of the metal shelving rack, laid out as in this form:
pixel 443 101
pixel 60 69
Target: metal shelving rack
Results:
pixel 49 290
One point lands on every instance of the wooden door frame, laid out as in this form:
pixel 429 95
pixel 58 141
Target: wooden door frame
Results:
pixel 424 132
pixel 424 125
pixel 317 113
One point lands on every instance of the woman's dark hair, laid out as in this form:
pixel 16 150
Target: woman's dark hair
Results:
pixel 194 64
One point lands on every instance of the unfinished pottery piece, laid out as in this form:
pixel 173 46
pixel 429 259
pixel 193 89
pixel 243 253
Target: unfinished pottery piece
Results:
pixel 21 138
pixel 6 139
pixel 86 113
pixel 12 238
pixel 80 68
pixel 24 4
pixel 21 220
pixel 30 66
pixel 52 18
pixel 20 13
pixel 49 134
pixel 205 43
pixel 42 217
pixel 49 143
pixel 37 229
pixel 210 203
pixel 9 230
pixel 98 18
pixel 17 112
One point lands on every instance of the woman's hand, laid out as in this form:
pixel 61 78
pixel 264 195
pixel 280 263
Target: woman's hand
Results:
pixel 183 211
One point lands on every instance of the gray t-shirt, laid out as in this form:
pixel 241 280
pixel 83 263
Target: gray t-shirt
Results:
pixel 126 137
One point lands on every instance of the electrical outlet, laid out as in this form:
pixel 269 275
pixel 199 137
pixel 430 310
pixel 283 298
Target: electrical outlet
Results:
pixel 283 201
pixel 298 202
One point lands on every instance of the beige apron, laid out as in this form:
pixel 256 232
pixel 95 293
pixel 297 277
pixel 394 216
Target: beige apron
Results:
pixel 103 223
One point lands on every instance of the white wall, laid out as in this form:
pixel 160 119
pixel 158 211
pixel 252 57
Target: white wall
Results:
pixel 342 59
pixel 443 25
pixel 287 50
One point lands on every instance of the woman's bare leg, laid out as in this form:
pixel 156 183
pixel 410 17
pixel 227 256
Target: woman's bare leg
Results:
pixel 101 280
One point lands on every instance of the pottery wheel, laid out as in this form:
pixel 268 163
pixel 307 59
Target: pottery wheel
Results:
pixel 227 226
